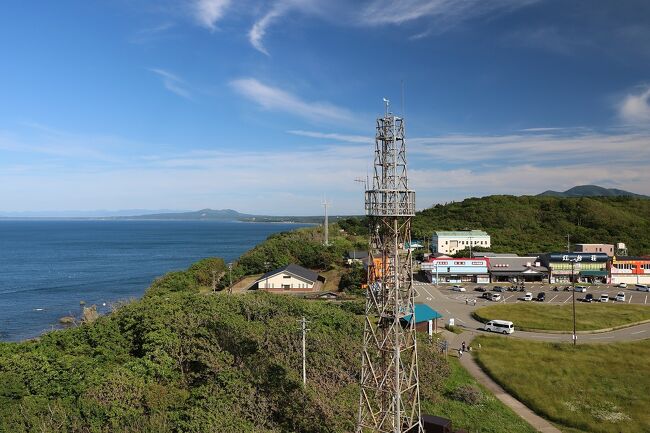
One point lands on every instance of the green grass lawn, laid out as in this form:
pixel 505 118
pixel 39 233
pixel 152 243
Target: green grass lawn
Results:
pixel 589 317
pixel 598 388
pixel 490 416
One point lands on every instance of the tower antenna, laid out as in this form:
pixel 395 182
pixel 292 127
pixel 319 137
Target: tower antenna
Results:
pixel 389 399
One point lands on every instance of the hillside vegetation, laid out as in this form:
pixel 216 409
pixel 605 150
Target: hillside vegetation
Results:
pixel 530 224
pixel 597 388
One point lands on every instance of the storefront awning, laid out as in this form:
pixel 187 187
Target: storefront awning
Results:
pixel 516 274
pixel 592 273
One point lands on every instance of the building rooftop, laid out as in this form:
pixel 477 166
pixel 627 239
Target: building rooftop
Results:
pixel 491 254
pixel 515 264
pixel 461 233
pixel 296 270
pixel 423 313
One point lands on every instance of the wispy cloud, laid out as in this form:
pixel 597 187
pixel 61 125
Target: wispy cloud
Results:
pixel 441 15
pixel 273 98
pixel 208 12
pixel 549 38
pixel 441 168
pixel 257 32
pixel 151 34
pixel 635 107
pixel 172 83
pixel 334 136
pixel 438 16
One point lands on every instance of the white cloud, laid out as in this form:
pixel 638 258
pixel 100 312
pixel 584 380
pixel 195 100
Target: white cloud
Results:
pixel 334 136
pixel 635 108
pixel 50 169
pixel 272 98
pixel 257 32
pixel 172 83
pixel 208 12
pixel 441 14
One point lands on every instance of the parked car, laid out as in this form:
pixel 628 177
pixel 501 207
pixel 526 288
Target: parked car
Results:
pixel 479 289
pixel 486 295
pixel 541 296
pixel 620 297
pixel 502 326
pixel 622 285
pixel 528 297
pixel 604 298
pixel 588 298
pixel 458 288
pixel 495 297
pixel 498 289
pixel 581 289
pixel 642 287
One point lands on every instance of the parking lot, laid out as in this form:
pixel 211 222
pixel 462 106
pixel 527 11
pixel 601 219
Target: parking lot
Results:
pixel 561 296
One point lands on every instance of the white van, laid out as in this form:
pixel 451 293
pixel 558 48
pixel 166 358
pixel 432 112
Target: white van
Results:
pixel 501 326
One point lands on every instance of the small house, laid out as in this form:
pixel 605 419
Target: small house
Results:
pixel 291 277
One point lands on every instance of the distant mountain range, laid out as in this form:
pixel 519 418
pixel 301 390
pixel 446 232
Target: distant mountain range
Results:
pixel 591 191
pixel 203 214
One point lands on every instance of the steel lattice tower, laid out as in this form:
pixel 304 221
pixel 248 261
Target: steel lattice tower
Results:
pixel 390 397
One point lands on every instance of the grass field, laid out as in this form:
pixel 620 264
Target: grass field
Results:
pixel 600 388
pixel 589 317
pixel 490 416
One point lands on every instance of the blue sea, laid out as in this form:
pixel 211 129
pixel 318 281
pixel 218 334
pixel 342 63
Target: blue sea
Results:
pixel 48 267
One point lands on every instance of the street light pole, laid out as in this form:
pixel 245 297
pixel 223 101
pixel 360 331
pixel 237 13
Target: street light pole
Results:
pixel 573 290
pixel 229 277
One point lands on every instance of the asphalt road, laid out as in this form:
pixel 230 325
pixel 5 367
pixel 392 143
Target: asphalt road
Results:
pixel 452 304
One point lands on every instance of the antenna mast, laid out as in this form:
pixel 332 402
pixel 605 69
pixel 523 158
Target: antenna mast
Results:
pixel 390 397
pixel 326 227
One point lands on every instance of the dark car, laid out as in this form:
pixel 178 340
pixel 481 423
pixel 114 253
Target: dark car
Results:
pixel 479 289
pixel 588 298
pixel 541 296
pixel 499 289
pixel 486 295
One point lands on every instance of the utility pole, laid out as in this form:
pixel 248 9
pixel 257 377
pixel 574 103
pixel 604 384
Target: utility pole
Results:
pixel 304 330
pixel 325 204
pixel 573 291
pixel 389 400
pixel 230 277
pixel 568 243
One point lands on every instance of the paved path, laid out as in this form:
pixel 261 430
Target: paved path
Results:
pixel 467 361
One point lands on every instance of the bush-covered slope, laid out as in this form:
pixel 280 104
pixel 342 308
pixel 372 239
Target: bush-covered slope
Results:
pixel 539 224
pixel 186 362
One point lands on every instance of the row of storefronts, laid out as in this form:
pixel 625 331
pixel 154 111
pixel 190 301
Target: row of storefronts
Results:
pixel 554 268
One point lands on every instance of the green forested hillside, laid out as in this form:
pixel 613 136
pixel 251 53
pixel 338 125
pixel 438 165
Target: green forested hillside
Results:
pixel 530 224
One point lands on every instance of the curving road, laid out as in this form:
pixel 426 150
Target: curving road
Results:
pixel 454 306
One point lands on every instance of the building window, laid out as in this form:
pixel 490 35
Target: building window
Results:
pixel 286 276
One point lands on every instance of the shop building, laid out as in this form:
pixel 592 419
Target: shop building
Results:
pixel 462 270
pixel 630 270
pixel 517 269
pixel 576 266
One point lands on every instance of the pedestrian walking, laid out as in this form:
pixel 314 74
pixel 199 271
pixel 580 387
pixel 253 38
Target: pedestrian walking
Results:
pixel 463 347
pixel 460 353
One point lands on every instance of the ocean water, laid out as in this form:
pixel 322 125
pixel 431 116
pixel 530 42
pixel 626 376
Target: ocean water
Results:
pixel 48 267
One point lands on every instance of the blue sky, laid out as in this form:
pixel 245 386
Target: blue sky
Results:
pixel 267 106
